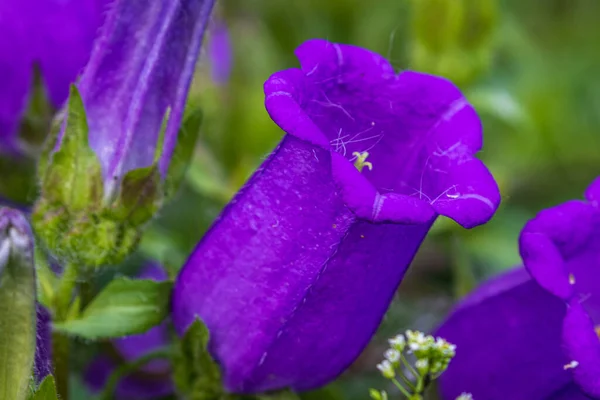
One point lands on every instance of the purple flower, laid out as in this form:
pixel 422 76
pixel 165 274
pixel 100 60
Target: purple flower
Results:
pixel 56 36
pixel 530 333
pixel 141 66
pixel 295 275
pixel 152 380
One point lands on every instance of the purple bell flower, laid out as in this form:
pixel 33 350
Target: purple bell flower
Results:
pixel 532 333
pixel 296 274
pixel 56 36
pixel 153 379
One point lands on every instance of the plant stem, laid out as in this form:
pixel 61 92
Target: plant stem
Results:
pixel 401 388
pixel 60 341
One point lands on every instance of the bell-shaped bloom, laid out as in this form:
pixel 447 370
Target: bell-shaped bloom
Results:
pixel 532 333
pixel 55 36
pixel 152 380
pixel 297 272
pixel 112 157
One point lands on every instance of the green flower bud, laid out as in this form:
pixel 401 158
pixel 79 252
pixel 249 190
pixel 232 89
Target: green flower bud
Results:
pixel 17 305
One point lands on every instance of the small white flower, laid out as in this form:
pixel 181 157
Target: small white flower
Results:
pixel 398 342
pixel 387 369
pixel 392 355
pixel 422 365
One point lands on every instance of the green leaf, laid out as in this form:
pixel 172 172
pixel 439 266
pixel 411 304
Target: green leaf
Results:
pixel 74 175
pixel 140 196
pixel 195 372
pixel 46 390
pixel 184 151
pixel 125 307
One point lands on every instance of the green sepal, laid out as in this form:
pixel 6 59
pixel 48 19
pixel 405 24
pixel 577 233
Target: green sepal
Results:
pixel 47 281
pixel 85 238
pixel 17 320
pixel 184 150
pixel 125 307
pixel 196 374
pixel 38 117
pixel 140 196
pixel 74 175
pixel 46 390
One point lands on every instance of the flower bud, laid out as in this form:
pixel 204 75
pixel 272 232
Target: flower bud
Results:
pixel 118 152
pixel 17 304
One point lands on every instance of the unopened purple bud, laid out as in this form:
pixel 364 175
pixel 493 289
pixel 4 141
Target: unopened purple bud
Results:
pixel 141 69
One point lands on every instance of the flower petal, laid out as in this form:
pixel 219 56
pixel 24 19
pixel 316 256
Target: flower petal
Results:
pixel 581 345
pixel 508 338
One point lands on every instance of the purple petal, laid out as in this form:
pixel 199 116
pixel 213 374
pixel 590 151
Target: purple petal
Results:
pixel 220 52
pixel 142 65
pixel 15 70
pixel 295 275
pixel 38 32
pixel 508 338
pixel 582 345
pixel 72 25
pixel 133 347
pixel 561 250
pixel 132 387
pixel 43 351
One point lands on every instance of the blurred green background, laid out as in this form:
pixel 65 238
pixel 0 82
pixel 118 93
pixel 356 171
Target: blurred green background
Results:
pixel 530 67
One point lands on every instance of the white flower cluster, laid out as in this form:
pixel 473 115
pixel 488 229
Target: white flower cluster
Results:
pixel 429 357
pixel 433 354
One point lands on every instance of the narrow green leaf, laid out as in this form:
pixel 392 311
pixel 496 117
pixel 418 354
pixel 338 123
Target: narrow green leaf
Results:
pixel 125 307
pixel 46 390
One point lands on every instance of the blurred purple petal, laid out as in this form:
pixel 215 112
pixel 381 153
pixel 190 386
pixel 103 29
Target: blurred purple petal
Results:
pixel 56 35
pixel 508 335
pixel 221 53
pixel 295 275
pixel 132 387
